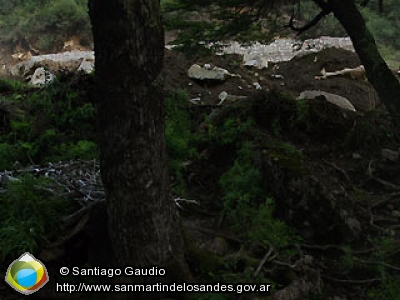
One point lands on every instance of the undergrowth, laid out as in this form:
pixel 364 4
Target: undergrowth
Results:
pixel 179 138
pixel 248 206
pixel 49 124
pixel 29 215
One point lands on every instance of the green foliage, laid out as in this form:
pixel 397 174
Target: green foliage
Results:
pixel 287 156
pixel 7 156
pixel 83 149
pixel 179 137
pixel 8 85
pixel 204 22
pixel 386 252
pixel 246 205
pixel 50 124
pixel 328 26
pixel 276 111
pixel 29 215
pixel 384 29
pixel 388 290
pixel 232 131
pixel 42 21
pixel 267 230
pixel 242 186
pixel 382 24
pixel 45 42
pixel 261 21
pixel 303 110
pixel 347 262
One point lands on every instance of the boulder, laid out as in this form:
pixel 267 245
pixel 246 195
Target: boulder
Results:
pixel 22 69
pixel 61 62
pixel 41 77
pixel 213 74
pixel 255 60
pixel 337 100
pixel 86 66
pixel 257 86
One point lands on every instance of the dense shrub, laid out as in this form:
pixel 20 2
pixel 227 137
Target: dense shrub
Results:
pixel 179 137
pixel 247 205
pixel 51 124
pixel 29 215
pixel 42 22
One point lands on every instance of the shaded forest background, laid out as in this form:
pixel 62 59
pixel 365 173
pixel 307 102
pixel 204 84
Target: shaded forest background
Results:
pixel 46 24
pixel 248 166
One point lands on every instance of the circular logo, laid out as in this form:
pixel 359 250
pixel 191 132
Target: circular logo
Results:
pixel 27 274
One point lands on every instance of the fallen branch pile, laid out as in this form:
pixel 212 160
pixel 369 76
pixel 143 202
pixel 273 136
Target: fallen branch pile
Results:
pixel 79 180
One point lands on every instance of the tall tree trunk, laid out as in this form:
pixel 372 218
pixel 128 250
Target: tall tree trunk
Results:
pixel 143 221
pixel 378 73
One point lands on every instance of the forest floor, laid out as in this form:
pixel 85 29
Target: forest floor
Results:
pixel 298 75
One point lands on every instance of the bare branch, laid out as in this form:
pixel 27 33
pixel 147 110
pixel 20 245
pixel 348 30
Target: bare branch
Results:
pixel 351 281
pixel 267 257
pixel 337 247
pixel 380 4
pixel 312 23
pixel 381 263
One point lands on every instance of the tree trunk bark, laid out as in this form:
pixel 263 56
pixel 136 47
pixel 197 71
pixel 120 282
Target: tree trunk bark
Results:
pixel 143 220
pixel 378 73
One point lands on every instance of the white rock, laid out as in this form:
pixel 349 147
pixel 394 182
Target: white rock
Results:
pixel 199 73
pixel 278 76
pixel 22 69
pixel 296 47
pixel 171 47
pixel 195 100
pixel 250 63
pixel 222 97
pixel 41 77
pixel 337 100
pixel 66 61
pixel 207 66
pixel 86 67
pixel 257 86
pixel 255 60
pixel 258 54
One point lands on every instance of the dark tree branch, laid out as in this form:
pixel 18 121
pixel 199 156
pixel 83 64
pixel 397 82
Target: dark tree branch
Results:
pixel 310 24
pixel 365 3
pixel 380 6
pixel 323 5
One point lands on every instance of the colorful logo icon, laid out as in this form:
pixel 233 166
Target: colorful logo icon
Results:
pixel 27 274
